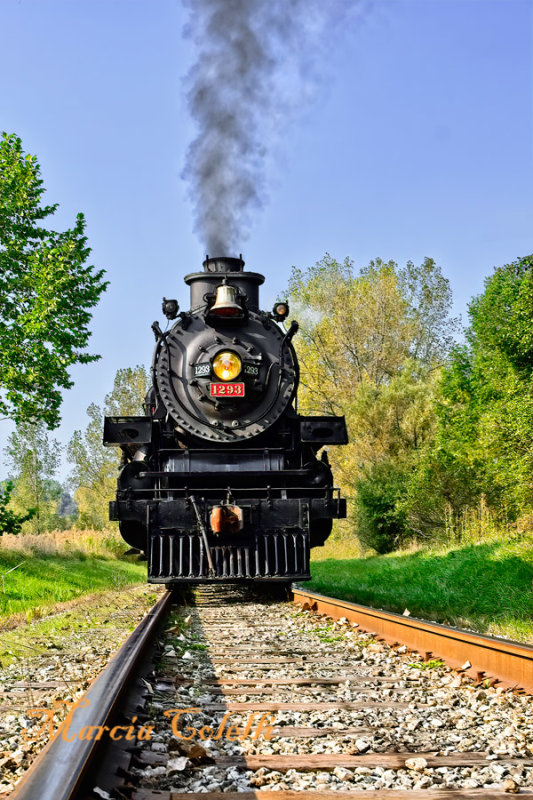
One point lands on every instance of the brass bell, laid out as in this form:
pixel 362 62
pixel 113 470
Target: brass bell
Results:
pixel 225 305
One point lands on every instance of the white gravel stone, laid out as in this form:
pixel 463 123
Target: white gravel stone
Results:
pixel 442 714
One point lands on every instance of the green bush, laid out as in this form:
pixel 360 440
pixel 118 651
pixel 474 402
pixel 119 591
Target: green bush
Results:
pixel 10 521
pixel 382 524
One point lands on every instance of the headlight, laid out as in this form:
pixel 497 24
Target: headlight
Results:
pixel 227 366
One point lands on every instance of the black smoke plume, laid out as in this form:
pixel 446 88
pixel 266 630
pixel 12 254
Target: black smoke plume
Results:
pixel 258 62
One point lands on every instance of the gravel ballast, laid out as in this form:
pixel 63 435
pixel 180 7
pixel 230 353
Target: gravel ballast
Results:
pixel 50 663
pixel 405 712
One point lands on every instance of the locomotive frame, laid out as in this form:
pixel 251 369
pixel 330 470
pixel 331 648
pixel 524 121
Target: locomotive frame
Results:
pixel 225 487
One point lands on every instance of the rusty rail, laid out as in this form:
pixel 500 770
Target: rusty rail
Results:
pixel 481 657
pixel 59 769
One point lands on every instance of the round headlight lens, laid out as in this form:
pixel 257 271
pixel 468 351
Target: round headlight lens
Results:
pixel 227 366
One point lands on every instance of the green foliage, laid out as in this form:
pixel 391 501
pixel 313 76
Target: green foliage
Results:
pixel 95 467
pixel 33 459
pixel 371 347
pixel 483 444
pixel 435 428
pixel 381 523
pixel 433 663
pixel 46 293
pixel 501 385
pixel 93 478
pixel 130 386
pixel 10 521
pixel 501 318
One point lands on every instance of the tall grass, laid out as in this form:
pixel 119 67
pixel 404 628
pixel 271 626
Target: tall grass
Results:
pixel 477 525
pixel 339 545
pixel 482 524
pixel 76 543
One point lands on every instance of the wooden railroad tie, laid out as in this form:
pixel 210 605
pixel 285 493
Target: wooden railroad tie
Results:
pixel 327 762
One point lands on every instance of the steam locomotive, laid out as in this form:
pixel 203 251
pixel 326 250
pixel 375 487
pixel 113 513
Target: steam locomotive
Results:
pixel 220 480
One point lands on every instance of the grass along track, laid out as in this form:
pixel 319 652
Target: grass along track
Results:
pixel 486 587
pixel 40 583
pixel 39 572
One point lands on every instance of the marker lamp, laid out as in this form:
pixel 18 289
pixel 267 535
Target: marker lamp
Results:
pixel 280 311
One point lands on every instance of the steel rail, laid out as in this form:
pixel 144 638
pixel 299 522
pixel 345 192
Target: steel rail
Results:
pixel 482 657
pixel 59 769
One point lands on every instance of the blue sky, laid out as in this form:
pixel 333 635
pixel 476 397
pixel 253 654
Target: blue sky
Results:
pixel 418 143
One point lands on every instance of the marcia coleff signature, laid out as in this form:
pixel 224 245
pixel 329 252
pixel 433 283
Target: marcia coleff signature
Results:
pixel 68 729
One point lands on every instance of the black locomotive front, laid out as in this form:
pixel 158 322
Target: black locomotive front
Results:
pixel 221 480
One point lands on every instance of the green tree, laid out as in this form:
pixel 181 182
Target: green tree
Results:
pixel 130 386
pixel 10 521
pixel 501 353
pixel 46 293
pixel 94 473
pixel 95 467
pixel 483 444
pixel 371 347
pixel 33 459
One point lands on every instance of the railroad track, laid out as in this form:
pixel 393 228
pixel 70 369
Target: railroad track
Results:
pixel 500 661
pixel 243 697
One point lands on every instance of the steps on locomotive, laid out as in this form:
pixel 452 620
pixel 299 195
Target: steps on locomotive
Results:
pixel 175 556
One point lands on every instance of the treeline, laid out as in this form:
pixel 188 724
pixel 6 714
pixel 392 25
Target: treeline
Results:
pixel 33 501
pixel 95 467
pixel 440 419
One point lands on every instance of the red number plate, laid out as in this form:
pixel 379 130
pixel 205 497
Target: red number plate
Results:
pixel 226 389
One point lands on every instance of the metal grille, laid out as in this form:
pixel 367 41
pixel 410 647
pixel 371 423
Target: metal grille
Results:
pixel 175 556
